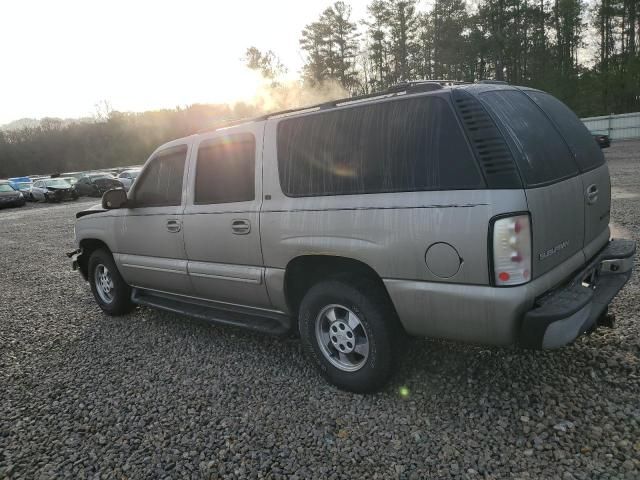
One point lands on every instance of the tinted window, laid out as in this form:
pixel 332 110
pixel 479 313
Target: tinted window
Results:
pixel 585 149
pixel 225 170
pixel 161 182
pixel 545 156
pixel 406 145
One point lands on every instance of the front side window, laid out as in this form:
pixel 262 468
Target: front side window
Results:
pixel 225 170
pixel 398 146
pixel 161 183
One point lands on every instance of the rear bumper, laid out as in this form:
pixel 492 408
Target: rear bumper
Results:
pixel 561 315
pixel 503 316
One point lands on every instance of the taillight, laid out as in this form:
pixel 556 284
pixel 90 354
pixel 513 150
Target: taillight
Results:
pixel 512 250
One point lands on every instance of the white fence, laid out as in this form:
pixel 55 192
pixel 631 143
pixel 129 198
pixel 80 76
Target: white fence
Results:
pixel 618 127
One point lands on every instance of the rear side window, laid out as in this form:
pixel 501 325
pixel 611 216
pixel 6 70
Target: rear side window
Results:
pixel 161 182
pixel 225 170
pixel 407 145
pixel 545 156
pixel 587 153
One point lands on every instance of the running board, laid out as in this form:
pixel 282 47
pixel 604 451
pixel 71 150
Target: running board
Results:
pixel 272 323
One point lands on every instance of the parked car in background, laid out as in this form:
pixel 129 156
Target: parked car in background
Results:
pixel 15 181
pixel 9 196
pixel 128 177
pixel 22 184
pixel 602 140
pixel 95 184
pixel 25 188
pixel 450 217
pixel 72 180
pixel 52 190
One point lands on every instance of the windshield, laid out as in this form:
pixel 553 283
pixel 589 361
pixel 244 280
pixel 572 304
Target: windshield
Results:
pixel 58 182
pixel 23 185
pixel 134 174
pixel 5 187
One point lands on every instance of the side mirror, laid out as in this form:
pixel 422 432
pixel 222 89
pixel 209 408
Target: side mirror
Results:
pixel 113 199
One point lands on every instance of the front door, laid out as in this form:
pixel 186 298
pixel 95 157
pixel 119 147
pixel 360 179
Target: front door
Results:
pixel 150 243
pixel 221 218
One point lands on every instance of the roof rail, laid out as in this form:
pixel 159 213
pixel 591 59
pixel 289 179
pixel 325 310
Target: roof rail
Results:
pixel 401 88
pixel 493 82
pixel 229 123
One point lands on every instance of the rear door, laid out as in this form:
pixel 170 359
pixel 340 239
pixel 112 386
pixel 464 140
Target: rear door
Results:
pixel 553 186
pixel 222 218
pixel 594 171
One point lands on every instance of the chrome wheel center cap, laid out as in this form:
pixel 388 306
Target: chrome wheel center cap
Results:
pixel 342 337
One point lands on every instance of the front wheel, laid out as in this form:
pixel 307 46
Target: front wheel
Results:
pixel 109 289
pixel 350 331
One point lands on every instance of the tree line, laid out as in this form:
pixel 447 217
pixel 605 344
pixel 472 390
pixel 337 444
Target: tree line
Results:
pixel 586 55
pixel 111 140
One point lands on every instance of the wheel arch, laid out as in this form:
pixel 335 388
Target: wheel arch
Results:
pixel 304 271
pixel 88 246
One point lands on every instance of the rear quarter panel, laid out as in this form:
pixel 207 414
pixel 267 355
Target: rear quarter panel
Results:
pixel 390 232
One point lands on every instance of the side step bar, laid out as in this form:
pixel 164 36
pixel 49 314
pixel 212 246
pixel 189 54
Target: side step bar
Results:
pixel 272 323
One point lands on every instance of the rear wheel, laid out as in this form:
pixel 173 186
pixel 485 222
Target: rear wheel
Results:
pixel 109 289
pixel 350 331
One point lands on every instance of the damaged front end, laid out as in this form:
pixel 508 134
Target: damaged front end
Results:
pixel 78 263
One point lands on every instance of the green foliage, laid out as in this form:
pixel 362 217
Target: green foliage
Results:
pixel 267 63
pixel 330 45
pixel 523 42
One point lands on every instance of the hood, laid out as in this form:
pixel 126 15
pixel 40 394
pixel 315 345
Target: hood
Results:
pixel 94 209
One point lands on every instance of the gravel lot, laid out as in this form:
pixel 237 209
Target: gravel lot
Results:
pixel 156 395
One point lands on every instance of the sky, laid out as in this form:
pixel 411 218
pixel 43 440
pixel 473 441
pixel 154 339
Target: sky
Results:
pixel 61 58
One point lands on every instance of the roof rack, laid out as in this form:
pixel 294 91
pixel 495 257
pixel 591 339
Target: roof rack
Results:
pixel 493 82
pixel 401 88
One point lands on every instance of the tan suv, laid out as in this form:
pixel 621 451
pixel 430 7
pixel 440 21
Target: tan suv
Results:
pixel 469 212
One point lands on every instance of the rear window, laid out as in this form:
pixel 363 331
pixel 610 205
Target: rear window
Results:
pixel 585 149
pixel 407 145
pixel 545 156
pixel 225 170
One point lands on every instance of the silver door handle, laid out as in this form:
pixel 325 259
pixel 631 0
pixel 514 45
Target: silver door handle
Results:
pixel 240 226
pixel 592 194
pixel 174 226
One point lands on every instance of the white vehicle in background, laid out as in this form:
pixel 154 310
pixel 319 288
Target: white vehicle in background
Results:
pixel 128 177
pixel 52 190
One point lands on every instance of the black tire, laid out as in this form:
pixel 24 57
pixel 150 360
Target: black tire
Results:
pixel 377 317
pixel 121 301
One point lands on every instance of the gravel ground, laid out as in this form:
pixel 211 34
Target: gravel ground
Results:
pixel 155 395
